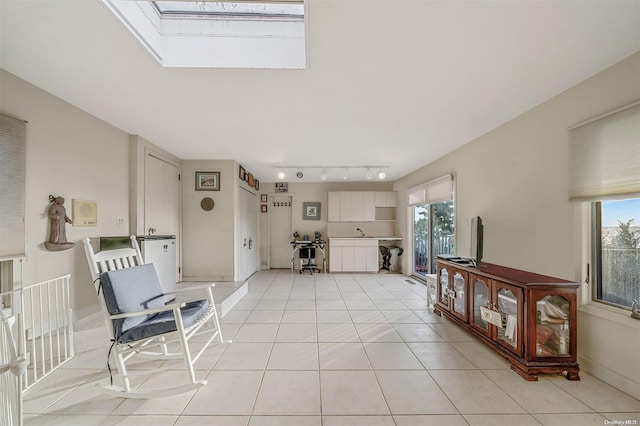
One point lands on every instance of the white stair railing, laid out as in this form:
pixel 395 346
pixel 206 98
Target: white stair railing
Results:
pixel 12 371
pixel 47 328
pixel 36 338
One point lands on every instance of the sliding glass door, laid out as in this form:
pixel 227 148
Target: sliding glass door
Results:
pixel 433 234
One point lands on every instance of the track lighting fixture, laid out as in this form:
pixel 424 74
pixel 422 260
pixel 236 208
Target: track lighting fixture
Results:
pixel 321 173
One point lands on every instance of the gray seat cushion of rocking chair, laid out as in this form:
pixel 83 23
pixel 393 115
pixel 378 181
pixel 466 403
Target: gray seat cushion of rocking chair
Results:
pixel 164 322
pixel 130 290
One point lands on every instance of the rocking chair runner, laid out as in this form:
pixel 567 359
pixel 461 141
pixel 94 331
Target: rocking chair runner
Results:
pixel 138 321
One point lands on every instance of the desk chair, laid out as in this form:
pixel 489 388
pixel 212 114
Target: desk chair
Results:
pixel 308 259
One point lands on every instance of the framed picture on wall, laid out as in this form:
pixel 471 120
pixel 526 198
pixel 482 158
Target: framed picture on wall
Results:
pixel 241 173
pixel 257 185
pixel 263 208
pixel 311 211
pixel 207 181
pixel 263 198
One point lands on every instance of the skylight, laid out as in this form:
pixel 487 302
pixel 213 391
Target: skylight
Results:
pixel 218 34
pixel 258 10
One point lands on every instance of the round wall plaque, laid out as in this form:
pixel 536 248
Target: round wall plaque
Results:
pixel 207 204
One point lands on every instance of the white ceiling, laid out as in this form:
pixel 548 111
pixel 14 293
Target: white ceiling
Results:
pixel 391 82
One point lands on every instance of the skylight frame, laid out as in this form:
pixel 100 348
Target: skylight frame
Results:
pixel 217 41
pixel 216 9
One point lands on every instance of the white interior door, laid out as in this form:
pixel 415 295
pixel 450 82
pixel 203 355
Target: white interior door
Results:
pixel 162 199
pixel 280 230
pixel 247 234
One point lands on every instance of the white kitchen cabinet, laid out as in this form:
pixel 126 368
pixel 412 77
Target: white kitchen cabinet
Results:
pixel 357 207
pixel 345 206
pixel 353 255
pixel 368 206
pixel 335 258
pixel 334 207
pixel 385 199
pixel 360 206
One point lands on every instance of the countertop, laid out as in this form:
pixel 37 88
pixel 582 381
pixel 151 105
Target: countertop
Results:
pixel 367 238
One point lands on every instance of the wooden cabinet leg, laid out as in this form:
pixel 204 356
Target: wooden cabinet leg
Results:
pixel 573 375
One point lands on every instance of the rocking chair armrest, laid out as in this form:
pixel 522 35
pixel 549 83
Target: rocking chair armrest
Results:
pixel 168 307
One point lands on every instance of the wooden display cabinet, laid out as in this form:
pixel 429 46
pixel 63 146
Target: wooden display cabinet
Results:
pixel 528 318
pixel 503 298
pixel 452 291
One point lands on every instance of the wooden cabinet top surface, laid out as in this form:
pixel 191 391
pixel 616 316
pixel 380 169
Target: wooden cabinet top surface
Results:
pixel 510 275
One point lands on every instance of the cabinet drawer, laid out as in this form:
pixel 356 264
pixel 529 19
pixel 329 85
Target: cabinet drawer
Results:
pixel 341 243
pixel 365 243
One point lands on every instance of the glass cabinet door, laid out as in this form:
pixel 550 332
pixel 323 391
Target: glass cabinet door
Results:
pixel 552 327
pixel 508 304
pixel 480 292
pixel 459 302
pixel 444 286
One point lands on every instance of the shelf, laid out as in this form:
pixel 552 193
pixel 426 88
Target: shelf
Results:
pixel 507 299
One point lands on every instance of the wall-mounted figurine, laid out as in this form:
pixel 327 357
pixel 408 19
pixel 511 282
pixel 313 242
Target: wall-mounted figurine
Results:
pixel 634 309
pixel 58 235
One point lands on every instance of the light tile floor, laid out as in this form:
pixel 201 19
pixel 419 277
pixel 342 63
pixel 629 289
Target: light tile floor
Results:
pixel 331 350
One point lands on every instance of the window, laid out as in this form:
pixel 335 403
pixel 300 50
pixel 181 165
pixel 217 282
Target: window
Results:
pixel 433 234
pixel 616 251
pixel 603 171
pixel 13 149
pixel 433 211
pixel 218 34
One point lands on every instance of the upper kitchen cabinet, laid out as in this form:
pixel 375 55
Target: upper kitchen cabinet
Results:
pixel 361 206
pixel 385 199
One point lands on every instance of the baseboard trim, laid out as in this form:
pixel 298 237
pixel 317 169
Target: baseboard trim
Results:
pixel 610 377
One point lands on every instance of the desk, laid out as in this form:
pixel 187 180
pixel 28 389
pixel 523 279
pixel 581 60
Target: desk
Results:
pixel 318 244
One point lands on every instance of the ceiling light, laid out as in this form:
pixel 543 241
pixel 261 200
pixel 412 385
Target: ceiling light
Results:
pixel 355 173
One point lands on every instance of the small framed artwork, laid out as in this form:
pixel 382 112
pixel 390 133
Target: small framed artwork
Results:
pixel 250 180
pixel 310 211
pixel 85 213
pixel 263 198
pixel 263 208
pixel 282 187
pixel 257 185
pixel 241 173
pixel 207 181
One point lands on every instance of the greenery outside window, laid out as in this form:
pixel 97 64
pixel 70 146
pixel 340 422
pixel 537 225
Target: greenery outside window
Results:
pixel 616 251
pixel 433 234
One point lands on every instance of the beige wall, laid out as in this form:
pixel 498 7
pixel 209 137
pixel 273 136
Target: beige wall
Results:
pixel 75 155
pixel 208 237
pixel 515 177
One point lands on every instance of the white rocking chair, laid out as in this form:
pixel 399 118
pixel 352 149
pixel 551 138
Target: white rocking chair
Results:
pixel 138 321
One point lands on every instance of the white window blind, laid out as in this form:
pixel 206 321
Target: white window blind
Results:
pixel 13 136
pixel 432 192
pixel 604 157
